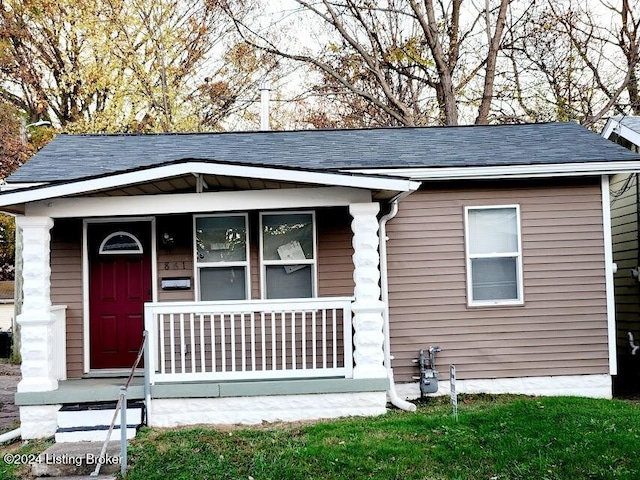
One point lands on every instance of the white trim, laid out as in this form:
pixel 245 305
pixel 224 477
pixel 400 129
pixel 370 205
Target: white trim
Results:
pixel 102 251
pixel 264 263
pixel 592 386
pixel 119 180
pixel 517 255
pixel 246 263
pixel 615 125
pixel 208 202
pixel 507 171
pixel 609 285
pixel 85 275
pixel 6 187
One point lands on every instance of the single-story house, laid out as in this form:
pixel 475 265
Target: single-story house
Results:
pixel 6 305
pixel 280 275
pixel 625 209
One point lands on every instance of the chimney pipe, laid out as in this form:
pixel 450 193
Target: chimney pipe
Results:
pixel 265 89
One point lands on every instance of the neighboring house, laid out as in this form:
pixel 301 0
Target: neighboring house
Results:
pixel 625 201
pixel 258 264
pixel 6 305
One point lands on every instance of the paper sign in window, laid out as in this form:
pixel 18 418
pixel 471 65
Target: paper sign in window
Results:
pixel 291 251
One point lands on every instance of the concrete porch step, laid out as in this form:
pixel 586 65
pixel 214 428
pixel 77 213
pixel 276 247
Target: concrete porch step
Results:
pixel 90 422
pixel 70 460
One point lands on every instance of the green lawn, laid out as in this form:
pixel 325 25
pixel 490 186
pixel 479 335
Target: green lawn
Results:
pixel 494 438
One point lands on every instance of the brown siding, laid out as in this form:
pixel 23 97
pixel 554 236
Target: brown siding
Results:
pixel 66 287
pixel 335 264
pixel 175 260
pixel 561 329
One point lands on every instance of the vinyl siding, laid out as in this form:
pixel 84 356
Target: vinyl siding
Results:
pixel 624 224
pixel 66 287
pixel 562 327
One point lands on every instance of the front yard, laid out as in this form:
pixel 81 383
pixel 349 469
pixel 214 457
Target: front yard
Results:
pixel 503 437
pixel 495 437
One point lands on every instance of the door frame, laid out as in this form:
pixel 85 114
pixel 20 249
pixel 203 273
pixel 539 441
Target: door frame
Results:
pixel 85 276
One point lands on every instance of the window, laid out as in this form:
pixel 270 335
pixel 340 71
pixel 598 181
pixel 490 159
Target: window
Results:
pixel 120 243
pixel 288 254
pixel 494 255
pixel 221 250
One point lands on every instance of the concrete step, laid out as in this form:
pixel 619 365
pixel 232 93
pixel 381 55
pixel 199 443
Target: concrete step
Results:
pixel 90 422
pixel 97 433
pixel 87 415
pixel 65 460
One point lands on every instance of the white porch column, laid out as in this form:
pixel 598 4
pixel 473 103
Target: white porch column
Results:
pixel 368 339
pixel 36 319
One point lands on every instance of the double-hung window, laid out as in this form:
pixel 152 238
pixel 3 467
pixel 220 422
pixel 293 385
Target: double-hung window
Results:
pixel 222 252
pixel 288 254
pixel 494 255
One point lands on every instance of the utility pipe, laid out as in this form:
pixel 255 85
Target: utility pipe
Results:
pixel 12 435
pixel 396 401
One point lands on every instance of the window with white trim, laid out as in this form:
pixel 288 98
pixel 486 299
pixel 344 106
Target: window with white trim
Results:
pixel 222 257
pixel 288 254
pixel 494 255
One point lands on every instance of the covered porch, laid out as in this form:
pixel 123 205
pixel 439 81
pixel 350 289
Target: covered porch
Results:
pixel 290 356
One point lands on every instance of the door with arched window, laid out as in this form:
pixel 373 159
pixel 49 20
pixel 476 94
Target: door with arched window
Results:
pixel 119 284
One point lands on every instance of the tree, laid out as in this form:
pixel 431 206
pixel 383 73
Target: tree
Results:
pixel 401 62
pixel 125 65
pixel 568 64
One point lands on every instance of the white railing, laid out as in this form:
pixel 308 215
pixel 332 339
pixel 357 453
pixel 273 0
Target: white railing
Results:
pixel 257 339
pixel 59 328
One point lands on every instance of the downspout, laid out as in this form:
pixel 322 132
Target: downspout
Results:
pixel 396 401
pixel 12 435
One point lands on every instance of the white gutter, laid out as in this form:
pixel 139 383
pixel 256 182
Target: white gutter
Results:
pixel 505 171
pixel 12 435
pixel 384 287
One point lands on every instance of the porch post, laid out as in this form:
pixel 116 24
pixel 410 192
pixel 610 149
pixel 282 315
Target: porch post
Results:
pixel 36 319
pixel 367 308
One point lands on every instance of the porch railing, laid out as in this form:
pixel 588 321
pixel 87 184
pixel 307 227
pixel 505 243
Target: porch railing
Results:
pixel 257 339
pixel 59 331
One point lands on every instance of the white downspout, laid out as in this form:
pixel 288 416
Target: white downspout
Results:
pixel 384 287
pixel 13 434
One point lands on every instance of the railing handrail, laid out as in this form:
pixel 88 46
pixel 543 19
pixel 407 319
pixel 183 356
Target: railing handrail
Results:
pixel 122 398
pixel 237 306
pixel 188 317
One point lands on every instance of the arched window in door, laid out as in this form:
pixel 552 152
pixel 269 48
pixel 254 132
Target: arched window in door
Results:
pixel 120 243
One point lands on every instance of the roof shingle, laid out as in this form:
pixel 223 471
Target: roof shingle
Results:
pixel 71 157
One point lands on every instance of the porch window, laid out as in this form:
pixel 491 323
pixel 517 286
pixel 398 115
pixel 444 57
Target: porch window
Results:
pixel 288 254
pixel 221 250
pixel 494 255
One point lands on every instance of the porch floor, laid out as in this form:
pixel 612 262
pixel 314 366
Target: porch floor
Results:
pixel 86 390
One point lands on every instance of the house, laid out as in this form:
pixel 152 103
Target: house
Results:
pixel 265 267
pixel 6 305
pixel 625 201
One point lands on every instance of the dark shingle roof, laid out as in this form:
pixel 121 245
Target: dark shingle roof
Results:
pixel 70 157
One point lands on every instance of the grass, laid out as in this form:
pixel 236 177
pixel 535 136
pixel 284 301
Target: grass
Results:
pixel 495 437
pixel 18 470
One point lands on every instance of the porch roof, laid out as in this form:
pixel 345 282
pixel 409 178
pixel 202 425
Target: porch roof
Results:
pixel 146 181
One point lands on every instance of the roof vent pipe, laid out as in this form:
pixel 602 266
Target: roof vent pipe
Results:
pixel 265 90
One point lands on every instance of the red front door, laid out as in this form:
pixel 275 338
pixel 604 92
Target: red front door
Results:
pixel 120 283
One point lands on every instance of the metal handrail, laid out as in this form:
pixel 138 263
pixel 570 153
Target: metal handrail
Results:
pixel 122 400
